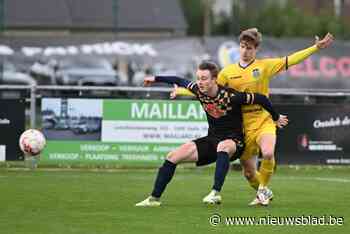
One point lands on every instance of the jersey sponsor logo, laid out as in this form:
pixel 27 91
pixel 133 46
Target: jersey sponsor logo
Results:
pixel 214 110
pixel 256 73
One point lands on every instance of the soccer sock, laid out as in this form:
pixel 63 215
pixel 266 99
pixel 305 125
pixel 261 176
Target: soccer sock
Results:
pixel 222 166
pixel 255 181
pixel 165 173
pixel 266 171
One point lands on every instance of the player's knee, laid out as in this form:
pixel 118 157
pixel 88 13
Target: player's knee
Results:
pixel 226 146
pixel 267 152
pixel 171 156
pixel 174 157
pixel 249 175
pixel 178 155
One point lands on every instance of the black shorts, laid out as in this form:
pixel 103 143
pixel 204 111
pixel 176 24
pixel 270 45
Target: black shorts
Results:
pixel 207 149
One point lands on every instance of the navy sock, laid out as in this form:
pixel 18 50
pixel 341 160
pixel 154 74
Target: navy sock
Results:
pixel 222 166
pixel 165 173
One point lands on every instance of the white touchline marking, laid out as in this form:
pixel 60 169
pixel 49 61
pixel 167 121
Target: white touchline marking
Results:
pixel 329 179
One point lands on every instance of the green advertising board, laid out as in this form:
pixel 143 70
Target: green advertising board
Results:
pixel 106 131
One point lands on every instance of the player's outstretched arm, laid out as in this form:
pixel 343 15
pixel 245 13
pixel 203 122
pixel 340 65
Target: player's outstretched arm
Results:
pixel 301 55
pixel 148 80
pixel 279 64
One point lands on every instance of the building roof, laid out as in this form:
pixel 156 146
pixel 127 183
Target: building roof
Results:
pixel 32 13
pixel 150 13
pixel 94 14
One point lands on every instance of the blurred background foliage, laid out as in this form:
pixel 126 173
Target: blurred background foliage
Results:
pixel 277 20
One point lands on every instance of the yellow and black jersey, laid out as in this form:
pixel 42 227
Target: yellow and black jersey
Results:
pixel 224 112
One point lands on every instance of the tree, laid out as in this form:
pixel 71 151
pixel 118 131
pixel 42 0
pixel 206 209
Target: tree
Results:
pixel 282 21
pixel 194 14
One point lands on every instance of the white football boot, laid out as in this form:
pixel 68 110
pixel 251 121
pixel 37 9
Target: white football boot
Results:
pixel 149 202
pixel 212 198
pixel 263 197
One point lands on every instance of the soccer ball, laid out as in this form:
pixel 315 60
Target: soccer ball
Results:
pixel 32 142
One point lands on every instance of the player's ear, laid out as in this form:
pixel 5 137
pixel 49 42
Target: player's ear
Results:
pixel 212 76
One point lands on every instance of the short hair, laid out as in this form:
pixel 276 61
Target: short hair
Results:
pixel 251 34
pixel 211 66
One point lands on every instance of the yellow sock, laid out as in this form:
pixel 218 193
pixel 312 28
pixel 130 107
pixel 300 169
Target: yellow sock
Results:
pixel 255 181
pixel 266 171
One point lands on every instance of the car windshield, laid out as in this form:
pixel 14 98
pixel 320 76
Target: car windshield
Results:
pixel 8 66
pixel 101 64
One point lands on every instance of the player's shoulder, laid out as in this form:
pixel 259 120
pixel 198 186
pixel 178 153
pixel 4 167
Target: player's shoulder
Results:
pixel 268 60
pixel 229 68
pixel 228 89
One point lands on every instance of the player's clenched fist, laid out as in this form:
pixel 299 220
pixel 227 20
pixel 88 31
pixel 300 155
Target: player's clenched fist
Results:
pixel 148 80
pixel 325 42
pixel 173 92
pixel 282 121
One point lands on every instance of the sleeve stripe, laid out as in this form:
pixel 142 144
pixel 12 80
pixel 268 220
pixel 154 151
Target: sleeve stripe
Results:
pixel 286 62
pixel 250 98
pixel 191 84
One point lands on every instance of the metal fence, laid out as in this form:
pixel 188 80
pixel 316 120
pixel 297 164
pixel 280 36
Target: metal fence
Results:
pixel 34 93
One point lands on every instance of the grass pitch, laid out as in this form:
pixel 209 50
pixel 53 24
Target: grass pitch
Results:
pixel 101 202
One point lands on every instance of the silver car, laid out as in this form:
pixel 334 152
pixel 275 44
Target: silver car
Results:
pixel 10 75
pixel 96 72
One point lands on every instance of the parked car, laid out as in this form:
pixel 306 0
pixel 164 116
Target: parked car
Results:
pixel 94 124
pixel 49 119
pixel 44 71
pixel 80 128
pixel 10 75
pixel 97 72
pixel 62 124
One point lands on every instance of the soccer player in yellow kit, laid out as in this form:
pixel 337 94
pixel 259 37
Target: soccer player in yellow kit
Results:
pixel 253 75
